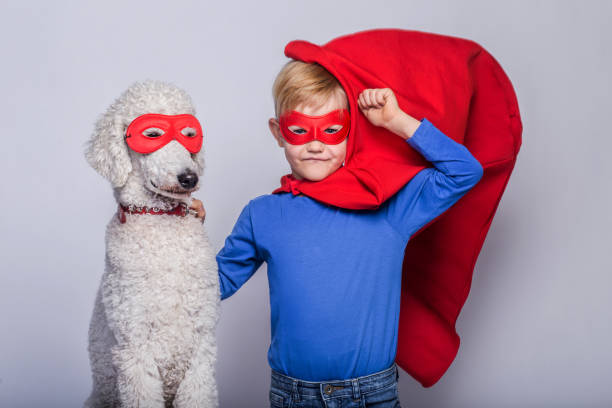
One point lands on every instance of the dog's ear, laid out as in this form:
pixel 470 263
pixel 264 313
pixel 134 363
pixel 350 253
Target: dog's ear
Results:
pixel 107 151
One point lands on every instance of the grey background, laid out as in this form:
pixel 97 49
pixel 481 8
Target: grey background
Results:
pixel 536 328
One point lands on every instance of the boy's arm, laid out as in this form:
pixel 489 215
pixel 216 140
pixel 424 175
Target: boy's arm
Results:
pixel 434 189
pixel 238 259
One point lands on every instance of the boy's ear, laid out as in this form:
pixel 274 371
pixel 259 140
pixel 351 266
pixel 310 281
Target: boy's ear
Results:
pixel 275 130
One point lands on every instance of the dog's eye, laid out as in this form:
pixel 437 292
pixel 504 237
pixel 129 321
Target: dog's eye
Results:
pixel 153 132
pixel 189 132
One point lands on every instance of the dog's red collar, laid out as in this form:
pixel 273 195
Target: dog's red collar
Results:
pixel 181 210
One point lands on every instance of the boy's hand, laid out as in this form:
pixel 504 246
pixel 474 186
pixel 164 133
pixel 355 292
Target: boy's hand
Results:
pixel 380 107
pixel 199 208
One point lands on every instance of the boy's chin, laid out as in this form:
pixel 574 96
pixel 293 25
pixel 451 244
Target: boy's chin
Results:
pixel 314 175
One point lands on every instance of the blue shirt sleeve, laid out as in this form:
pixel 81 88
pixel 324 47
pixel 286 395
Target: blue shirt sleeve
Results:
pixel 238 259
pixel 433 190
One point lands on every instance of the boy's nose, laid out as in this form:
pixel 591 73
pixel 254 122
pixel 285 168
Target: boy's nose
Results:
pixel 315 146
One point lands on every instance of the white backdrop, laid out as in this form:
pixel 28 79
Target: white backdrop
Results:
pixel 536 329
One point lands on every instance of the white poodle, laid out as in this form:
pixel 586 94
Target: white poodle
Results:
pixel 152 333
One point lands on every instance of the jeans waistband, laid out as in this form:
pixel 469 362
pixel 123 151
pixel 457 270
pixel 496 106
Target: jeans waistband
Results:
pixel 335 388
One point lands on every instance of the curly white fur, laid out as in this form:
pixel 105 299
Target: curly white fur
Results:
pixel 152 333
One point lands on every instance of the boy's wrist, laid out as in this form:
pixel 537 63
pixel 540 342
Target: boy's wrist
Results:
pixel 404 125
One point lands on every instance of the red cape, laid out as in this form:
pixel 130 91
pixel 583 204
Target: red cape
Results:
pixel 464 92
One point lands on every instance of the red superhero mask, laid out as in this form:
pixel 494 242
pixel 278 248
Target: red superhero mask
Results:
pixel 315 127
pixel 152 131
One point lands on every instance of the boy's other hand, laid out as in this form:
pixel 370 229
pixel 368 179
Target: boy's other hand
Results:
pixel 380 107
pixel 198 206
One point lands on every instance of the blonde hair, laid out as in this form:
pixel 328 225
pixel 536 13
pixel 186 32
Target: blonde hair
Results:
pixel 299 82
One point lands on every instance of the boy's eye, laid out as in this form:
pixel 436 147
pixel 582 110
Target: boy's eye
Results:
pixel 189 132
pixel 297 130
pixel 333 129
pixel 153 132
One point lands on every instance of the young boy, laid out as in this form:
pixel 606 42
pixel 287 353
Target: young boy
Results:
pixel 335 274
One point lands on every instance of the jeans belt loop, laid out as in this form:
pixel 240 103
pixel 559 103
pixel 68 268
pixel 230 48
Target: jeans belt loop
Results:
pixel 355 383
pixel 294 391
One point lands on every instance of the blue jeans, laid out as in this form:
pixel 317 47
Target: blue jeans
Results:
pixel 378 390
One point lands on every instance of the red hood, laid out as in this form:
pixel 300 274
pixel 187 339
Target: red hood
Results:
pixel 464 92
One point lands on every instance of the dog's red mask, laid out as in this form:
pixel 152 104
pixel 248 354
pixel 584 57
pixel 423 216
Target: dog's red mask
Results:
pixel 152 131
pixel 315 127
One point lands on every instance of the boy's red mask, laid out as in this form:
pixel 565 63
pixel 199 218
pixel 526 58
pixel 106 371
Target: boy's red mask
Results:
pixel 152 131
pixel 315 127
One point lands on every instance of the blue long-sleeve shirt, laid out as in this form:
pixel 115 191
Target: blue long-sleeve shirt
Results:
pixel 335 274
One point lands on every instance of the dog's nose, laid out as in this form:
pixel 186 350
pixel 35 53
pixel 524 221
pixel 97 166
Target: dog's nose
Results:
pixel 188 179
